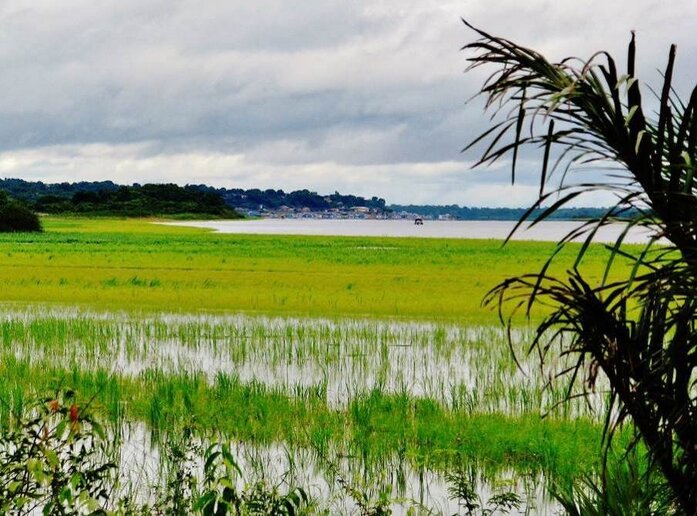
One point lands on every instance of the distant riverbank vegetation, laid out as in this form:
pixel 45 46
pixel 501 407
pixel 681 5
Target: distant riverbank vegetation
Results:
pixel 108 199
pixel 57 197
pixel 456 212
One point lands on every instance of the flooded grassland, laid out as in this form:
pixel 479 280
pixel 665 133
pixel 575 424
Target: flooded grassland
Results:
pixel 368 359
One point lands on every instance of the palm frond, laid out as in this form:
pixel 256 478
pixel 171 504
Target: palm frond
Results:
pixel 640 331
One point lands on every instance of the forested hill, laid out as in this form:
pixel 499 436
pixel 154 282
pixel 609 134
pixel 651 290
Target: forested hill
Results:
pixel 43 195
pixel 107 198
pixel 256 199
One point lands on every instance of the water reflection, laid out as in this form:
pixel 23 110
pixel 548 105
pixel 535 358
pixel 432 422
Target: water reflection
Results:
pixel 464 368
pixel 336 479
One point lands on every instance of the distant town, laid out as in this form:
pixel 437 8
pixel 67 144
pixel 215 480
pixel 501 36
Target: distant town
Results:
pixel 354 212
pixel 424 212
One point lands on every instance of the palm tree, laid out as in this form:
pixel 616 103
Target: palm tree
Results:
pixel 640 331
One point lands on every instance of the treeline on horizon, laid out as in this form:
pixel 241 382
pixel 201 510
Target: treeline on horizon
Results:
pixel 50 197
pixel 465 213
pixel 108 198
pixel 256 199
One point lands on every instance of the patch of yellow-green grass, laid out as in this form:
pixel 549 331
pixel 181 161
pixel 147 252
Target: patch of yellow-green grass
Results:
pixel 131 225
pixel 134 264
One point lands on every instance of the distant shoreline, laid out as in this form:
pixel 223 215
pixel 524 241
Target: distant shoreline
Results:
pixel 95 198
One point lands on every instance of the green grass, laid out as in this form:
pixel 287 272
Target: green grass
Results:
pixel 463 368
pixel 372 429
pixel 134 264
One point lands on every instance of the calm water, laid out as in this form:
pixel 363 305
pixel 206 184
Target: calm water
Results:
pixel 545 231
pixel 466 369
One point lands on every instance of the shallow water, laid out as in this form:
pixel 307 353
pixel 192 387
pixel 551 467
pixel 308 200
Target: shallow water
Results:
pixel 463 368
pixel 466 368
pixel 478 229
pixel 143 465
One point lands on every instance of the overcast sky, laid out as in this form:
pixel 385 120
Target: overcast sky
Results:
pixel 359 96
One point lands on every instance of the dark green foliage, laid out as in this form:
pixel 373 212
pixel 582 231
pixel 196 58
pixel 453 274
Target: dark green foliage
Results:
pixel 221 489
pixel 628 486
pixel 221 495
pixel 56 198
pixel 461 487
pixel 640 333
pixel 14 216
pixel 55 457
pixel 176 496
pixel 30 191
pixel 255 199
pixel 139 201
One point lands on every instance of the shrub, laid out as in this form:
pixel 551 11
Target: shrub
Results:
pixel 14 216
pixel 56 458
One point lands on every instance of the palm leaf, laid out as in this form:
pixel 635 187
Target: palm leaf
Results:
pixel 638 331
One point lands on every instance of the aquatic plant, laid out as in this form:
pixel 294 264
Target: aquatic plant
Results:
pixel 630 485
pixel 55 457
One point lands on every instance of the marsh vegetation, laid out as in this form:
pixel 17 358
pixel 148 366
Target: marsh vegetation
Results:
pixel 396 407
pixel 333 364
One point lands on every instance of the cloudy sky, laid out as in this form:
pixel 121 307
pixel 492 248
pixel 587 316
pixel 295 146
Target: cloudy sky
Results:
pixel 359 96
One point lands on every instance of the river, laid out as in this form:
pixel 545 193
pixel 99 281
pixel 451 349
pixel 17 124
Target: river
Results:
pixel 476 229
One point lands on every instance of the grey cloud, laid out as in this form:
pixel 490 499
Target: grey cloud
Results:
pixel 291 86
